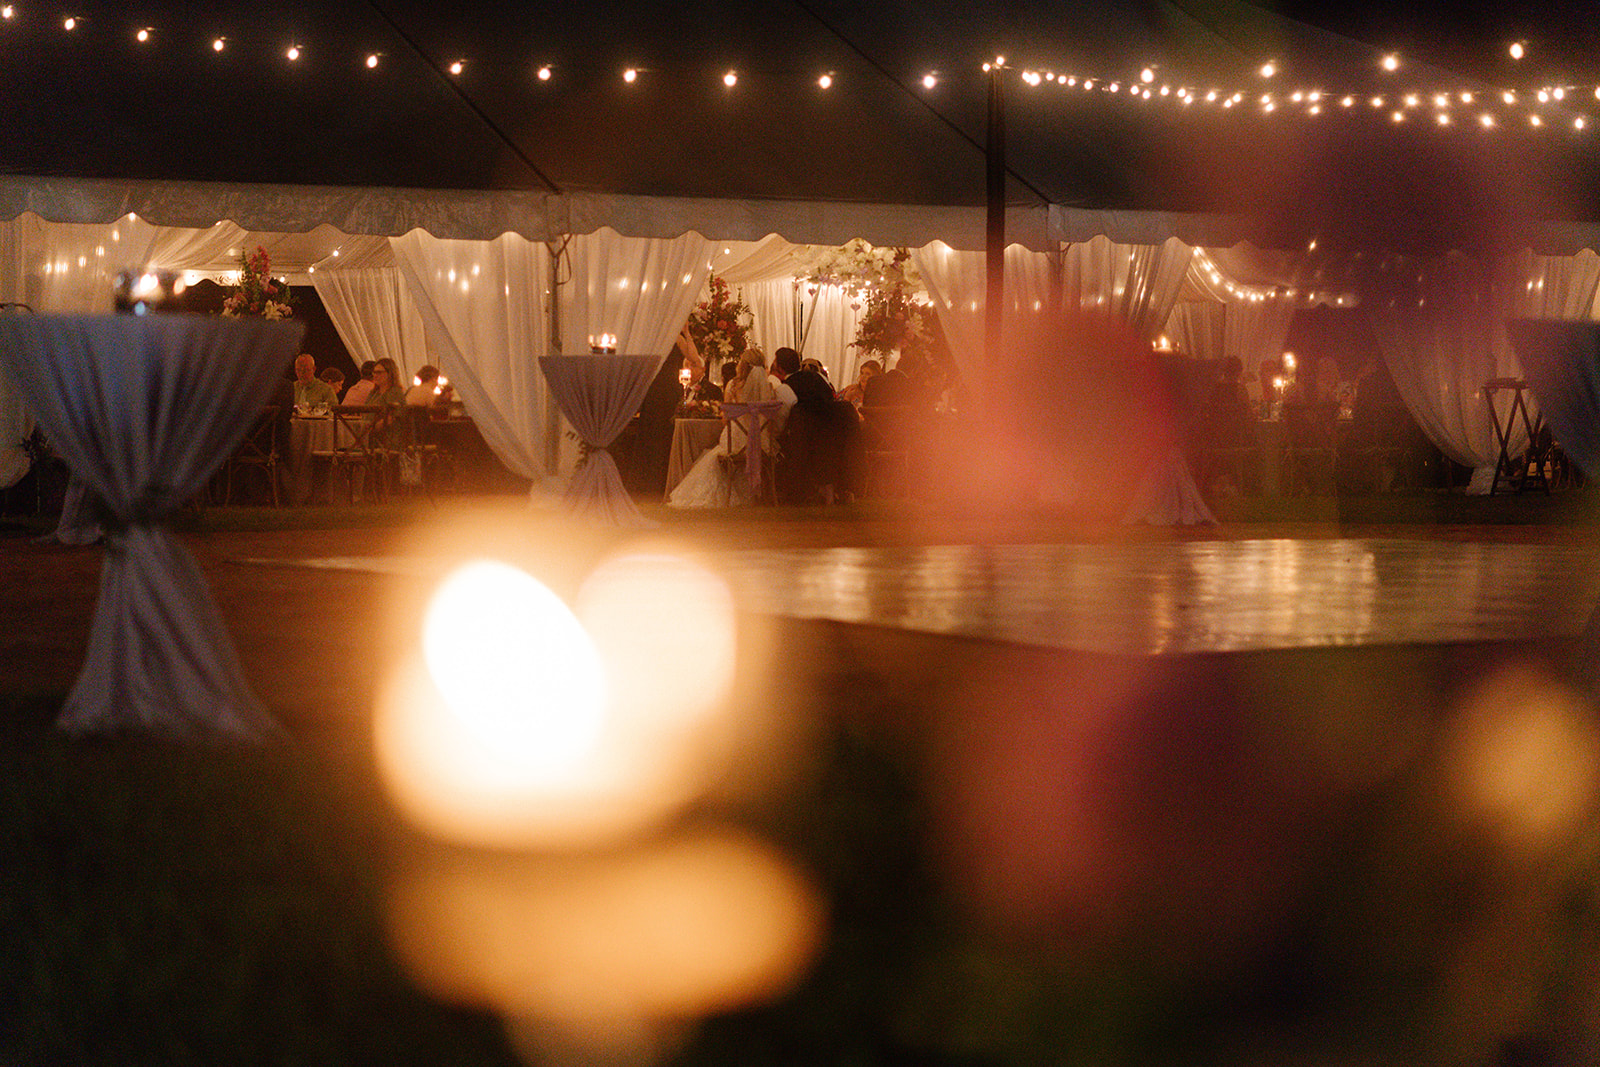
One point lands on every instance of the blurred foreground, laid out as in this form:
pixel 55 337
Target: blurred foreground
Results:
pixel 1374 855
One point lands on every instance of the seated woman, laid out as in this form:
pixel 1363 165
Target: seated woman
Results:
pixel 711 483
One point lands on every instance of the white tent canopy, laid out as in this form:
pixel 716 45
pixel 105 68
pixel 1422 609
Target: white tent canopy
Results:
pixel 64 238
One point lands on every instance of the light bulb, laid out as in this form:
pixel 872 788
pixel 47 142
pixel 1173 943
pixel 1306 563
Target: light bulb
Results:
pixel 372 61
pixel 293 53
pixel 544 73
pixel 826 81
pixel 1268 70
pixel 69 24
pixel 1391 62
pixel 1147 75
pixel 730 79
pixel 929 81
pixel 143 35
pixel 456 67
pixel 630 75
pixel 1517 51
pixel 219 44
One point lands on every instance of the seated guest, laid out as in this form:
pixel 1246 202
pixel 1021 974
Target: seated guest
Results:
pixel 729 370
pixel 815 439
pixel 386 387
pixel 892 389
pixel 426 389
pixel 804 384
pixel 815 365
pixel 856 391
pixel 701 388
pixel 363 388
pixel 309 390
pixel 334 377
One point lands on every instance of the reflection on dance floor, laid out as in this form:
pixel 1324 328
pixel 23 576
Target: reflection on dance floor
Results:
pixel 1184 597
pixel 1167 597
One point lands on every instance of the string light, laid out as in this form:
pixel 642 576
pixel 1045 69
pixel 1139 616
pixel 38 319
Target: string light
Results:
pixel 1142 83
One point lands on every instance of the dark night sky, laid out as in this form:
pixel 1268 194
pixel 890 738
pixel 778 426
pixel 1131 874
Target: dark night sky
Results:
pixel 92 103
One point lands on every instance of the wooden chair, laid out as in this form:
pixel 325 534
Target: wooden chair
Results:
pixel 419 446
pixel 756 466
pixel 352 443
pixel 888 434
pixel 258 450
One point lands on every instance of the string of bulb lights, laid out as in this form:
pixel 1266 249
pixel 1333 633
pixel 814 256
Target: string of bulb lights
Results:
pixel 1538 107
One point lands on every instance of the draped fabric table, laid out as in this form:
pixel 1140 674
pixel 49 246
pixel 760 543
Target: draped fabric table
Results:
pixel 598 394
pixel 690 439
pixel 1165 493
pixel 145 409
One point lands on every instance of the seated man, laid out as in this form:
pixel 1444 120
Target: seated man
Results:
pixel 309 390
pixel 426 390
pixel 815 438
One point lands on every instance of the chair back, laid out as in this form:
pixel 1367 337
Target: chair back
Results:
pixel 260 443
pixel 354 426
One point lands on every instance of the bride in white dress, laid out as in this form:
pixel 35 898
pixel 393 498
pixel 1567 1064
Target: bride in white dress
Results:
pixel 710 483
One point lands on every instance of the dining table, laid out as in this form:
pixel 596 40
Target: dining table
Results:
pixel 691 438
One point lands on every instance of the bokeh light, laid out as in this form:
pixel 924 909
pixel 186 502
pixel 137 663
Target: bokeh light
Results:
pixel 1523 760
pixel 604 943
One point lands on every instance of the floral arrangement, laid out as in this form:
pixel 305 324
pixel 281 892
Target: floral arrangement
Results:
pixel 887 282
pixel 700 409
pixel 256 295
pixel 720 325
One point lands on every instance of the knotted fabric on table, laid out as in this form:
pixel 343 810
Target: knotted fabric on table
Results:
pixel 145 409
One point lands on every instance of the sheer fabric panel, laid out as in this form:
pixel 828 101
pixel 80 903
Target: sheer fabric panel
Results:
pixel 482 305
pixel 376 317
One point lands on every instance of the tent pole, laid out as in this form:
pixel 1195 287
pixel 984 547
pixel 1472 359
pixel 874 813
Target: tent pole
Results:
pixel 995 245
pixel 552 413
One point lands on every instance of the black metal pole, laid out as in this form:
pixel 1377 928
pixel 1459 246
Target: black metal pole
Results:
pixel 995 245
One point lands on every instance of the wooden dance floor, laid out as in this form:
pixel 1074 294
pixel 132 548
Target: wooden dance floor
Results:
pixel 1165 598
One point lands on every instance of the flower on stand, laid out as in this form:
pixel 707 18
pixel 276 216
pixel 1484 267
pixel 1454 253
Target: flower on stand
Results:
pixel 887 284
pixel 256 294
pixel 720 325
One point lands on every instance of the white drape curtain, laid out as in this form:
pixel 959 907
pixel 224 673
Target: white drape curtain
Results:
pixel 144 409
pixel 375 315
pixel 1137 284
pixel 958 286
pixel 1199 328
pixel 1443 343
pixel 485 307
pixel 785 311
pixel 1252 331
